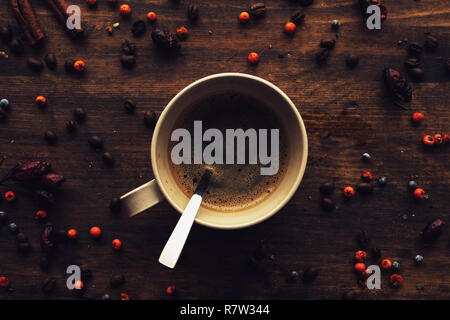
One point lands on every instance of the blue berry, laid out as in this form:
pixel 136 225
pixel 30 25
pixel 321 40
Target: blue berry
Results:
pixel 382 181
pixel 396 265
pixel 418 259
pixel 4 103
pixel 106 297
pixel 293 275
pixel 3 216
pixel 335 24
pixel 412 185
pixel 13 227
pixel 366 157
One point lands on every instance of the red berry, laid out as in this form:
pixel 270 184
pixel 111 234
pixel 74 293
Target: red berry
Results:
pixel 360 267
pixel 95 232
pixel 386 264
pixel 10 196
pixel 366 176
pixel 72 234
pixel 151 16
pixel 417 117
pixel 438 139
pixel 116 244
pixel 244 17
pixel 396 280
pixel 419 194
pixel 428 140
pixel 446 138
pixel 78 285
pixel 289 28
pixel 41 215
pixel 125 10
pixel 182 33
pixel 79 65
pixel 4 282
pixel 170 290
pixel 349 192
pixel 253 57
pixel 360 255
pixel 124 296
pixel 41 101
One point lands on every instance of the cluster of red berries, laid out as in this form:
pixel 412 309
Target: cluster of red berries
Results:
pixel 360 267
pixel 436 140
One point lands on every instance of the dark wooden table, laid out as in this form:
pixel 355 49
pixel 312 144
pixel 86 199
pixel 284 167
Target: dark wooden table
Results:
pixel 301 234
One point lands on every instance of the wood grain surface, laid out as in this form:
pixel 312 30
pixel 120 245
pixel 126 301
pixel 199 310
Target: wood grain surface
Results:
pixel 301 235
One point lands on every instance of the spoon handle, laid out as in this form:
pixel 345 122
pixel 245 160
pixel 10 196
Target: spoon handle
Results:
pixel 172 250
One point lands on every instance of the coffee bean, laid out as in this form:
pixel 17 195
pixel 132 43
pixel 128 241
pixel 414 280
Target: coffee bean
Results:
pixel 49 285
pixel 310 274
pixel 79 114
pixel 21 237
pixel 327 204
pixel 352 60
pixel 412 63
pixel 328 43
pixel 298 17
pixel 71 126
pixel 322 56
pixel 258 10
pixel 68 66
pixel 51 137
pixel 415 49
pixel 150 119
pixel 416 74
pixel 364 188
pixel 431 43
pixel 17 47
pixel 128 48
pixel 96 142
pixel 115 205
pixel 24 246
pixel 192 13
pixel 327 188
pixel 50 61
pixel 44 263
pixel 138 28
pixel 117 280
pixel 129 106
pixel 127 61
pixel 5 34
pixel 35 64
pixel 108 158
pixel 363 240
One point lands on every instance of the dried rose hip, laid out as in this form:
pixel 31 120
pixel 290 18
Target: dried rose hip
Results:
pixel 397 84
pixel 165 40
pixel 31 170
pixel 52 180
pixel 433 230
pixel 48 238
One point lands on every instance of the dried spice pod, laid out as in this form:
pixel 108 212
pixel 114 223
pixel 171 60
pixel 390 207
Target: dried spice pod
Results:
pixel 364 4
pixel 192 13
pixel 258 10
pixel 30 170
pixel 398 85
pixel 433 230
pixel 52 180
pixel 48 238
pixel 165 40
pixel 138 29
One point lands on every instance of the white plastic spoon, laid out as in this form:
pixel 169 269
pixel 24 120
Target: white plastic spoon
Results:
pixel 172 250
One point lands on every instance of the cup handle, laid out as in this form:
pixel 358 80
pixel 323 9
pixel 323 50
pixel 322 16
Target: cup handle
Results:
pixel 141 198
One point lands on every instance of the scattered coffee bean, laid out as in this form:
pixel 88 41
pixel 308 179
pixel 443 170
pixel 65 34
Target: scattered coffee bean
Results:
pixel 352 60
pixel 127 61
pixel 298 17
pixel 115 205
pixel 5 34
pixel 79 114
pixel 49 285
pixel 108 158
pixel 258 10
pixel 364 188
pixel 310 274
pixel 128 48
pixel 327 204
pixel 415 49
pixel 17 47
pixel 412 63
pixel 117 280
pixel 328 43
pixel 71 126
pixel 327 188
pixel 21 237
pixel 192 13
pixel 322 56
pixel 129 106
pixel 433 230
pixel 50 61
pixel 68 66
pixel 138 29
pixel 416 74
pixel 362 239
pixel 96 142
pixel 51 137
pixel 150 119
pixel 431 43
pixel 335 24
pixel 35 64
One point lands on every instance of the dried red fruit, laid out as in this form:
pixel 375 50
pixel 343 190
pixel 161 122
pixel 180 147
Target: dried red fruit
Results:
pixel 396 280
pixel 48 238
pixel 30 170
pixel 398 84
pixel 52 180
pixel 433 230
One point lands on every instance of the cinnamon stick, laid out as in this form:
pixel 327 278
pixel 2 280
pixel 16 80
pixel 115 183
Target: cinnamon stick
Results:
pixel 60 9
pixel 27 21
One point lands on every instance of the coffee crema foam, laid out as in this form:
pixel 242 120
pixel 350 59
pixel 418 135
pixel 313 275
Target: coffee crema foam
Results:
pixel 232 187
